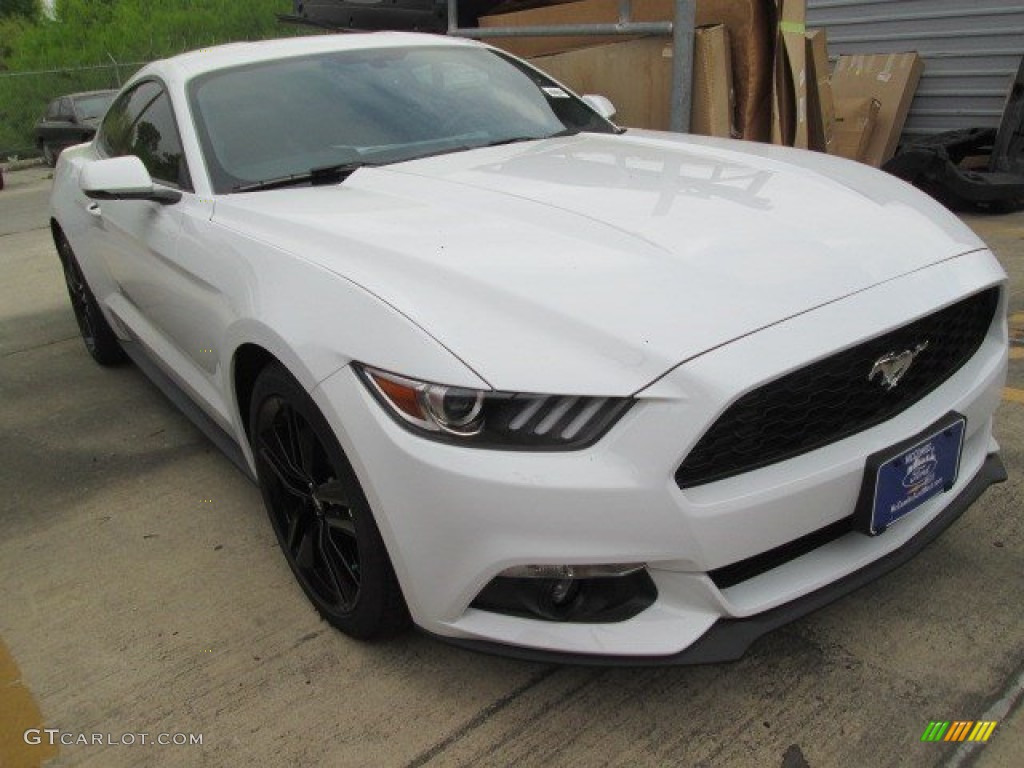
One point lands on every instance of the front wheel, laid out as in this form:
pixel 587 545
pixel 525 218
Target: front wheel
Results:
pixel 319 513
pixel 99 337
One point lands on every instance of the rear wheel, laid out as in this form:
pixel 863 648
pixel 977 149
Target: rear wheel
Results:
pixel 319 513
pixel 97 334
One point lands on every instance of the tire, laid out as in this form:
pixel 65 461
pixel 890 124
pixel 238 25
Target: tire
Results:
pixel 319 512
pixel 99 338
pixel 50 154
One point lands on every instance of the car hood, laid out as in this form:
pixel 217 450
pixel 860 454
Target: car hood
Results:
pixel 594 264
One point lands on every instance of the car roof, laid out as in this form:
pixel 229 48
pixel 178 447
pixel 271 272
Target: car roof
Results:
pixel 186 66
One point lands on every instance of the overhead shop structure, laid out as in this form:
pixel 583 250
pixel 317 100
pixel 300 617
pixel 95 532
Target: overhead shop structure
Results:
pixel 972 50
pixel 680 30
pixel 444 15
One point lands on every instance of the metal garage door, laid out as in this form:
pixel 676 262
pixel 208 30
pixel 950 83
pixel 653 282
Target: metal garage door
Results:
pixel 971 50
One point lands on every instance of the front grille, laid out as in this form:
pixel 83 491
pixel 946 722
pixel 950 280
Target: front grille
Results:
pixel 832 398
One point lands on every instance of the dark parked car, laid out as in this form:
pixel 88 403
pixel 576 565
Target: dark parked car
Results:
pixel 70 120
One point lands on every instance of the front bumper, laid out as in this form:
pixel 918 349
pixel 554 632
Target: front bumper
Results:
pixel 729 639
pixel 454 518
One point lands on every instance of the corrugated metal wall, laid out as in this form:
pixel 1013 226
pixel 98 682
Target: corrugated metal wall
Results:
pixel 971 48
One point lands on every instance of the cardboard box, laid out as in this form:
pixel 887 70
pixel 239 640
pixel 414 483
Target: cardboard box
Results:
pixel 714 99
pixel 750 40
pixel 789 95
pixel 890 78
pixel 637 77
pixel 821 112
pixel 854 127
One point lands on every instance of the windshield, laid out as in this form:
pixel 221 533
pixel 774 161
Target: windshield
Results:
pixel 95 106
pixel 283 118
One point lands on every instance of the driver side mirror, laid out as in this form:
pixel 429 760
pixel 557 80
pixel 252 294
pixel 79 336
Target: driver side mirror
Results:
pixel 600 104
pixel 123 178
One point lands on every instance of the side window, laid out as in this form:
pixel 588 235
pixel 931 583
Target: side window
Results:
pixel 65 109
pixel 155 140
pixel 141 123
pixel 53 110
pixel 115 132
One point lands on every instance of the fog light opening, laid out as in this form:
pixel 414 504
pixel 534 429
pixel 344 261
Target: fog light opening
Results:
pixel 570 593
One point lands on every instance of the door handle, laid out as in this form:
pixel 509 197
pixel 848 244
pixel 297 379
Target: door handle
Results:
pixel 95 210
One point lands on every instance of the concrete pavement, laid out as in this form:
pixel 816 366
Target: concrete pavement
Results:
pixel 142 592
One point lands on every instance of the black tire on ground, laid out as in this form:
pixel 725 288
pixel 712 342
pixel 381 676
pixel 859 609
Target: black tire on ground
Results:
pixel 50 154
pixel 97 334
pixel 319 512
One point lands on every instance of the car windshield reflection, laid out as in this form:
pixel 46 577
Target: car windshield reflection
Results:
pixel 276 120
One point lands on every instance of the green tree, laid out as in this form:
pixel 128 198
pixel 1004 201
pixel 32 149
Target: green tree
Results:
pixel 84 14
pixel 28 9
pixel 87 33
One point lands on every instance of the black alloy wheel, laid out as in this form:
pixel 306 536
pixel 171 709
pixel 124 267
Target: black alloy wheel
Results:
pixel 99 337
pixel 319 512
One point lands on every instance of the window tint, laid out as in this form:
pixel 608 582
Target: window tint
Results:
pixel 141 122
pixel 155 141
pixel 115 133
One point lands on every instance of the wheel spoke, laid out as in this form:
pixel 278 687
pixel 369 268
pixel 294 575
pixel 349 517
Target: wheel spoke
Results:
pixel 305 551
pixel 279 467
pixel 305 445
pixel 286 429
pixel 298 448
pixel 276 452
pixel 341 572
pixel 341 523
pixel 79 296
pixel 335 493
pixel 298 529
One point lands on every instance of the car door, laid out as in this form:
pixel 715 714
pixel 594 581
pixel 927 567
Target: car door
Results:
pixel 167 307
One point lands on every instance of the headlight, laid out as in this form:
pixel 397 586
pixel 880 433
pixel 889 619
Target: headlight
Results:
pixel 488 419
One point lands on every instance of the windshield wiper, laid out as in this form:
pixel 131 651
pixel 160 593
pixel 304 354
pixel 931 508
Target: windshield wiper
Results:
pixel 518 139
pixel 513 140
pixel 327 174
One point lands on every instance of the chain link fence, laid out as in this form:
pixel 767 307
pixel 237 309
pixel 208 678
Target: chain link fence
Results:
pixel 25 95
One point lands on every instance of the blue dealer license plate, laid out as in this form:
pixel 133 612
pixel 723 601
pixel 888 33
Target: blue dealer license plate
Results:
pixel 905 476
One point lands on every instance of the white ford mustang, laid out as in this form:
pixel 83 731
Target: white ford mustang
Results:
pixel 536 383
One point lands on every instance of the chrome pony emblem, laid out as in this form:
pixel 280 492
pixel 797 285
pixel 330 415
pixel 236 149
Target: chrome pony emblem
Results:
pixel 894 366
